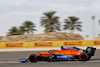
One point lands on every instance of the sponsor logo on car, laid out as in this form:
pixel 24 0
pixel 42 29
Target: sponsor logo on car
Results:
pixel 61 56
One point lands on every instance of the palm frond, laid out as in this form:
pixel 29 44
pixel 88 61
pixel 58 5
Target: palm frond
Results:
pixel 73 19
pixel 72 23
pixel 79 29
pixel 49 21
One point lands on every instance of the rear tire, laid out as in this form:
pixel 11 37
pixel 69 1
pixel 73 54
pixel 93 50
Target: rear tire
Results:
pixel 33 58
pixel 83 57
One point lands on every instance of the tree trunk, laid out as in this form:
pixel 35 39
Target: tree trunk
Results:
pixel 28 32
pixel 51 29
pixel 72 31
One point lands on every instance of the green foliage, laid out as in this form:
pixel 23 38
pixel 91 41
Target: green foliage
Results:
pixel 27 26
pixel 22 29
pixel 50 22
pixel 14 31
pixel 72 24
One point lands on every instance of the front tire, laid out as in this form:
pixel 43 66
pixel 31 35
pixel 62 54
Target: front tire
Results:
pixel 33 58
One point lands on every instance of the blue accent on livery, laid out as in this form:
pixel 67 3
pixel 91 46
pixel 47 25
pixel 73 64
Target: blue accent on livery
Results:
pixel 62 57
pixel 23 60
pixel 69 48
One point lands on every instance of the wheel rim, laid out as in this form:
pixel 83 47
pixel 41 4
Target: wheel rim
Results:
pixel 83 57
pixel 32 58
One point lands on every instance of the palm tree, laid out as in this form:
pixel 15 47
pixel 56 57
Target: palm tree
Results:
pixel 72 24
pixel 14 31
pixel 22 29
pixel 50 22
pixel 29 27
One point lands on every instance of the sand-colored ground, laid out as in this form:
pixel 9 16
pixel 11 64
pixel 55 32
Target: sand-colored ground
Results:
pixel 52 36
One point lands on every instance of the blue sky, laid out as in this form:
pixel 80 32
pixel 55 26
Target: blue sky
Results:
pixel 15 12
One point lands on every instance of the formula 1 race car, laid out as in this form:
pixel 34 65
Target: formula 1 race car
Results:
pixel 66 53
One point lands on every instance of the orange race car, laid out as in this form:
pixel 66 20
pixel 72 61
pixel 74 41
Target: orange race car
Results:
pixel 66 53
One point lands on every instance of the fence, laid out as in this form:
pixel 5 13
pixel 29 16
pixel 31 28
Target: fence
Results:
pixel 50 44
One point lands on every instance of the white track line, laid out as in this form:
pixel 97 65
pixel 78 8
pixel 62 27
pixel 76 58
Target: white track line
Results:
pixel 9 62
pixel 96 61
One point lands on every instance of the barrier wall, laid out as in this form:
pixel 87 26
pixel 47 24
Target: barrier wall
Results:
pixel 50 44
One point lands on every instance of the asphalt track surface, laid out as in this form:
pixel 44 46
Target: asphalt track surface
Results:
pixel 11 59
